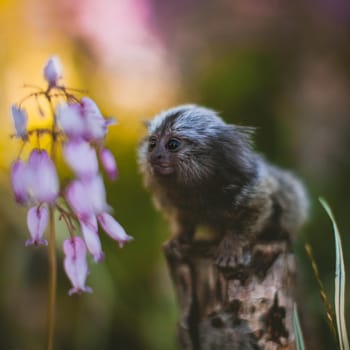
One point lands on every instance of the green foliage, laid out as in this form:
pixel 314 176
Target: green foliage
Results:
pixel 336 316
pixel 299 339
pixel 339 281
pixel 325 300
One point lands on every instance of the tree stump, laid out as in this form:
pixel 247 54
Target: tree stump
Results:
pixel 245 308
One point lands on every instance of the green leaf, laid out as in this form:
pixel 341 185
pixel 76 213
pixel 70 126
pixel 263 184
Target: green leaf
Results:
pixel 330 314
pixel 339 280
pixel 299 339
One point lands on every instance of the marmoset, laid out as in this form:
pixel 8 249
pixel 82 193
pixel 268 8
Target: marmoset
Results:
pixel 204 172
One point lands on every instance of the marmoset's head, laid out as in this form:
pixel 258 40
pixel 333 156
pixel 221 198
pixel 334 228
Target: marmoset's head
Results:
pixel 191 143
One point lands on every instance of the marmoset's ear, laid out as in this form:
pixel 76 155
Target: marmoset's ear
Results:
pixel 245 132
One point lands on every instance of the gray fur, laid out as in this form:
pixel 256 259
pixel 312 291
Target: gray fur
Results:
pixel 215 179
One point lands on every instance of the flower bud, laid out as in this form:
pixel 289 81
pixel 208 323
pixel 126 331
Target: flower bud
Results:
pixel 109 163
pixel 53 70
pixel 20 120
pixel 91 238
pixel 37 220
pixel 19 186
pixel 75 264
pixel 114 229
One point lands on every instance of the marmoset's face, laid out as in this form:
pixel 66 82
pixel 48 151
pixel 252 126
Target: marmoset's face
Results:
pixel 183 144
pixel 165 152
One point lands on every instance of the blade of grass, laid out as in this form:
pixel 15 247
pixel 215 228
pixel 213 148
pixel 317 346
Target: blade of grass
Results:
pixel 327 305
pixel 299 339
pixel 339 281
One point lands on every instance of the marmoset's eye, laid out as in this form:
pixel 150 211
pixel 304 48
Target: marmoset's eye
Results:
pixel 173 144
pixel 152 143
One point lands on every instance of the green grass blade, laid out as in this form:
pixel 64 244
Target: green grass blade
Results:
pixel 330 316
pixel 299 339
pixel 339 281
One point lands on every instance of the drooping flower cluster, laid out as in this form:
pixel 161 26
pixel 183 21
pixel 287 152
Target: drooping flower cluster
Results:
pixel 80 129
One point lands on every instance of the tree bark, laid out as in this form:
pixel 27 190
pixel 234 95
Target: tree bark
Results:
pixel 247 307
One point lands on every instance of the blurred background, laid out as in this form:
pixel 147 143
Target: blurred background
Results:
pixel 281 66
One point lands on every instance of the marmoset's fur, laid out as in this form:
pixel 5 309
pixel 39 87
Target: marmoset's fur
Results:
pixel 204 172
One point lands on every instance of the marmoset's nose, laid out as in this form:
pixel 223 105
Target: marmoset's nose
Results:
pixel 157 154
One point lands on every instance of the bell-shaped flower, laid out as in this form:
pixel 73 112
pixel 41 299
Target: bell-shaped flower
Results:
pixel 75 264
pixel 95 124
pixel 37 220
pixel 70 119
pixel 113 229
pixel 53 70
pixel 18 181
pixel 81 157
pixel 20 120
pixel 109 163
pixel 92 240
pixel 97 194
pixel 41 177
pixel 87 197
pixel 78 199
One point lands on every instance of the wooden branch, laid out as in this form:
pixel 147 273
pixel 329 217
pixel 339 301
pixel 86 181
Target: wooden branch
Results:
pixel 245 308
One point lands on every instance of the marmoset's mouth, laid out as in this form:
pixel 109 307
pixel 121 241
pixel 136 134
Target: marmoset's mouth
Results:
pixel 163 168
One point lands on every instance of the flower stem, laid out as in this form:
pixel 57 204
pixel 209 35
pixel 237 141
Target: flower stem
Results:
pixel 52 282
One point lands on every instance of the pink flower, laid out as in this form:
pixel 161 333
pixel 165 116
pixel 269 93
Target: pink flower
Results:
pixel 83 121
pixel 71 120
pixel 109 163
pixel 97 194
pixel 78 199
pixel 79 129
pixel 114 229
pixel 35 181
pixel 19 186
pixel 96 125
pixel 91 238
pixel 20 120
pixel 53 70
pixel 75 264
pixel 41 177
pixel 87 197
pixel 81 157
pixel 37 220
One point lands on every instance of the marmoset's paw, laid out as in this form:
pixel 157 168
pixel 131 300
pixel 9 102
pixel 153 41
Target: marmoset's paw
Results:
pixel 232 253
pixel 177 248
